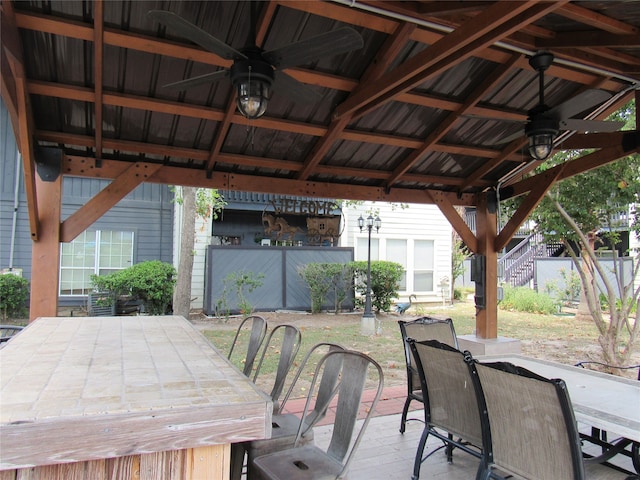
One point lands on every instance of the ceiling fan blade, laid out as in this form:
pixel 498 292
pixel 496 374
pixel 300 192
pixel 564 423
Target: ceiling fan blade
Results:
pixel 296 91
pixel 590 125
pixel 578 104
pixel 337 41
pixel 199 80
pixel 512 137
pixel 195 34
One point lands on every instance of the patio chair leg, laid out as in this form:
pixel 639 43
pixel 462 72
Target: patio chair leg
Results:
pixel 405 410
pixel 449 450
pixel 237 460
pixel 418 461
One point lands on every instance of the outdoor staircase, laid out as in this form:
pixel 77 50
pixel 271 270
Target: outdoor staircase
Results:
pixel 516 266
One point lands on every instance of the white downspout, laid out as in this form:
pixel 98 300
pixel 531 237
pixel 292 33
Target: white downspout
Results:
pixel 16 204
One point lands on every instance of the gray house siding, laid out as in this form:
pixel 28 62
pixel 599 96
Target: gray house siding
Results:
pixel 147 211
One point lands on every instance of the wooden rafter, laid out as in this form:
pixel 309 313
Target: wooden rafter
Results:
pixel 13 55
pixel 447 124
pixel 337 126
pixel 98 53
pixel 477 34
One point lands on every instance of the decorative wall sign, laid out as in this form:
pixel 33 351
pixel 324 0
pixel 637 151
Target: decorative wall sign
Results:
pixel 322 222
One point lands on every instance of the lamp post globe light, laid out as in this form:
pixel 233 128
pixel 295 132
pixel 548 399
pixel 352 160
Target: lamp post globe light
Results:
pixel 368 317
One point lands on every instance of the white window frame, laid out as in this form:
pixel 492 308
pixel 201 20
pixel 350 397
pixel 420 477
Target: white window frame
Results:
pixel 88 237
pixel 432 270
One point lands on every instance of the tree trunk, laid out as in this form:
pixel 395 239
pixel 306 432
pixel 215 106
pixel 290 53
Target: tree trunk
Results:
pixel 182 292
pixel 584 312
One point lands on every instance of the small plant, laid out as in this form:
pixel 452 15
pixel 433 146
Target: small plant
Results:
pixel 524 299
pixel 14 292
pixel 570 288
pixel 241 283
pixel 152 282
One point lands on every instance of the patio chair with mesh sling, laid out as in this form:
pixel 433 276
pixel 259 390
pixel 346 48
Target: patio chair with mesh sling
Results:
pixel 529 429
pixel 423 328
pixel 450 404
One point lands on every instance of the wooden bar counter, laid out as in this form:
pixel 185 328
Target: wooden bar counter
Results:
pixel 122 398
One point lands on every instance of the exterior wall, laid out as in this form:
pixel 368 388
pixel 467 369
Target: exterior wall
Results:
pixel 201 242
pixel 417 222
pixel 147 211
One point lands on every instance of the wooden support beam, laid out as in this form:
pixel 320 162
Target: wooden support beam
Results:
pixel 110 195
pixel 25 142
pixel 486 224
pixel 456 221
pixel 45 251
pixel 545 181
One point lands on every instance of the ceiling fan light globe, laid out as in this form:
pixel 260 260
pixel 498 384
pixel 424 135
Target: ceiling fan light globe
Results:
pixel 541 145
pixel 252 80
pixel 253 98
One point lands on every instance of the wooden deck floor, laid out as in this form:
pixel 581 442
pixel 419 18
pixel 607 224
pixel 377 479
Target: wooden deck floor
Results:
pixel 386 454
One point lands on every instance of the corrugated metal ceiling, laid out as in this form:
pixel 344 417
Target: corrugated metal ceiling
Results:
pixel 422 138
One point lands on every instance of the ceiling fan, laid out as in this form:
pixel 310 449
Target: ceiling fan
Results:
pixel 254 71
pixel 544 123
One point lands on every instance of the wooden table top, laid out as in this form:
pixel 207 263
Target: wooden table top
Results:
pixel 600 400
pixel 78 388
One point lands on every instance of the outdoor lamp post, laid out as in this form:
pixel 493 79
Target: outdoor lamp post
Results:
pixel 368 318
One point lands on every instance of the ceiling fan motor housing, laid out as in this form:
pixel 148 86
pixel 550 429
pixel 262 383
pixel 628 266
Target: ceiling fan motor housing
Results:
pixel 541 61
pixel 252 79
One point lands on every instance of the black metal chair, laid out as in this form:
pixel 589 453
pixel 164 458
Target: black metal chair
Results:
pixel 8 331
pixel 284 342
pixel 284 426
pixel 449 398
pixel 529 429
pixel 257 327
pixel 423 328
pixel 309 461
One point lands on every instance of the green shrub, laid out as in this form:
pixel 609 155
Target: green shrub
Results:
pixel 152 282
pixel 241 283
pixel 385 281
pixel 524 299
pixel 14 292
pixel 458 294
pixel 323 278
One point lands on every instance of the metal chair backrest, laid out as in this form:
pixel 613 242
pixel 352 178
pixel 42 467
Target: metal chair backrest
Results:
pixel 326 389
pixel 529 428
pixel 354 373
pixel 447 388
pixel 310 461
pixel 257 327
pixel 424 328
pixel 8 331
pixel 284 341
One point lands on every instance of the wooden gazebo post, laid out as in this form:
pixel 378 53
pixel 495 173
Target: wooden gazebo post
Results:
pixel 486 233
pixel 45 250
